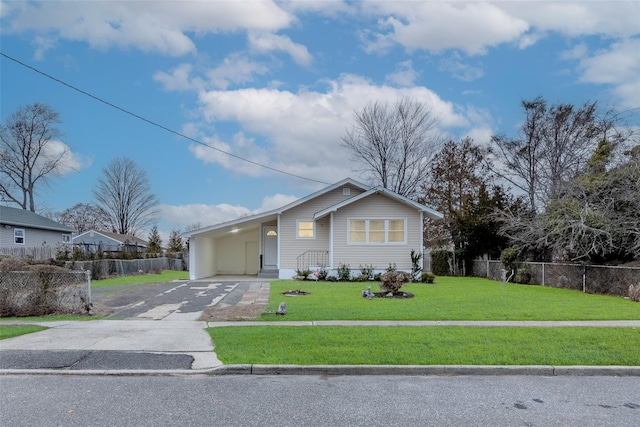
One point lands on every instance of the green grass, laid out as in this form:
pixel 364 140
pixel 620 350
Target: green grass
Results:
pixel 165 276
pixel 342 345
pixel 450 298
pixel 10 331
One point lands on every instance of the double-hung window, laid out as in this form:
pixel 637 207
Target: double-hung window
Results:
pixel 18 236
pixel 306 230
pixel 364 231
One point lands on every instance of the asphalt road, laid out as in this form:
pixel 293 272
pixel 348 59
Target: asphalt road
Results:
pixel 57 400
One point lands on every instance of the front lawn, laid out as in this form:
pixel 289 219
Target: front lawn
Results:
pixel 450 298
pixel 165 276
pixel 345 345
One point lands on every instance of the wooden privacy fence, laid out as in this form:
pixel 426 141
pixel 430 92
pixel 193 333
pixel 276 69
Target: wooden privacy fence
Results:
pixel 600 279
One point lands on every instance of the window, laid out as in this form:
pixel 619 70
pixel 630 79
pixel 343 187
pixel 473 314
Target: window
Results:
pixel 18 236
pixel 66 238
pixel 306 230
pixel 377 231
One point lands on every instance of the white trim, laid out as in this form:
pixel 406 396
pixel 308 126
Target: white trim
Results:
pixel 331 240
pixel 367 231
pixel 313 229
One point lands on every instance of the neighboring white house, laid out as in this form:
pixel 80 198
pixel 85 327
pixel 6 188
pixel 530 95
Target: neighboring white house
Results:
pixel 20 228
pixel 94 241
pixel 345 223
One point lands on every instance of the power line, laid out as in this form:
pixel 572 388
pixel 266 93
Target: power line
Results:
pixel 156 124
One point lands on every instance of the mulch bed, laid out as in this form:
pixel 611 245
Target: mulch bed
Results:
pixel 297 293
pixel 397 295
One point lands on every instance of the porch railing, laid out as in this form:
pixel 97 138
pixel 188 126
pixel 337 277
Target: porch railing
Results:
pixel 311 259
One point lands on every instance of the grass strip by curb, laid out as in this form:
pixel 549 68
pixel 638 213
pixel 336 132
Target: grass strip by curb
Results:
pixel 344 345
pixel 10 331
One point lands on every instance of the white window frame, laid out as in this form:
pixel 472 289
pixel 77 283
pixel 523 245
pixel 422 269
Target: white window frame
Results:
pixel 313 229
pixel 15 236
pixel 367 230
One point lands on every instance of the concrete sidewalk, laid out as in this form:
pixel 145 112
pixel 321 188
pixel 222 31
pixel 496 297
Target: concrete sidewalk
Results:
pixel 125 336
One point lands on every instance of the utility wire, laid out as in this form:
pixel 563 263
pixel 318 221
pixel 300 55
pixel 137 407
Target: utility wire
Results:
pixel 156 124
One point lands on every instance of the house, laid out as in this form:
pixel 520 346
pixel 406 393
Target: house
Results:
pixel 345 223
pixel 21 228
pixel 94 241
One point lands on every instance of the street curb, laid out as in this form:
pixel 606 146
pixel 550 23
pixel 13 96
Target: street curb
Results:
pixel 356 370
pixel 431 370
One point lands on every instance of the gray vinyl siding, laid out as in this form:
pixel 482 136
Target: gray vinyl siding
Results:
pixel 32 237
pixel 291 246
pixel 380 256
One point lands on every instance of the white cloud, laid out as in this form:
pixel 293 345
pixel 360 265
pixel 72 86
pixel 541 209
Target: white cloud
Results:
pixel 459 69
pixel 301 132
pixel 404 75
pixel 235 69
pixel 436 26
pixel 42 44
pixel 475 26
pixel 179 79
pixel 619 66
pixel 149 26
pixel 276 201
pixel 578 18
pixel 68 161
pixel 184 216
pixel 268 42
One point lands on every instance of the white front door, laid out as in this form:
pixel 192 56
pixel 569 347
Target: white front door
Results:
pixel 269 247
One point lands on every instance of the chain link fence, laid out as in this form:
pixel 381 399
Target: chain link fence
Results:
pixel 103 268
pixel 41 292
pixel 597 279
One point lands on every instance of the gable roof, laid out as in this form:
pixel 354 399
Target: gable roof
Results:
pixel 25 218
pixel 273 214
pixel 120 238
pixel 430 212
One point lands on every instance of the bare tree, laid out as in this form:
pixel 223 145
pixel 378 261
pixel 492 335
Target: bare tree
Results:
pixel 124 193
pixel 27 153
pixel 394 144
pixel 553 146
pixel 84 217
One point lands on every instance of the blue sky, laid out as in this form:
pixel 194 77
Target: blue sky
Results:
pixel 278 82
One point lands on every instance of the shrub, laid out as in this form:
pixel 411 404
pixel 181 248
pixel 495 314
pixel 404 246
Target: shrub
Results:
pixel 366 271
pixel 322 274
pixel 427 277
pixel 509 258
pixel 332 279
pixel 441 263
pixel 303 273
pixel 344 272
pixel 634 292
pixel 392 281
pixel 523 276
pixel 377 277
pixel 392 267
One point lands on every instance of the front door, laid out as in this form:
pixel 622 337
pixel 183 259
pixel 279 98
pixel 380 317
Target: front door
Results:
pixel 270 247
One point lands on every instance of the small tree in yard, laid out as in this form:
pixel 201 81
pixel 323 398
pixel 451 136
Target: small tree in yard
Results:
pixel 154 247
pixel 175 243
